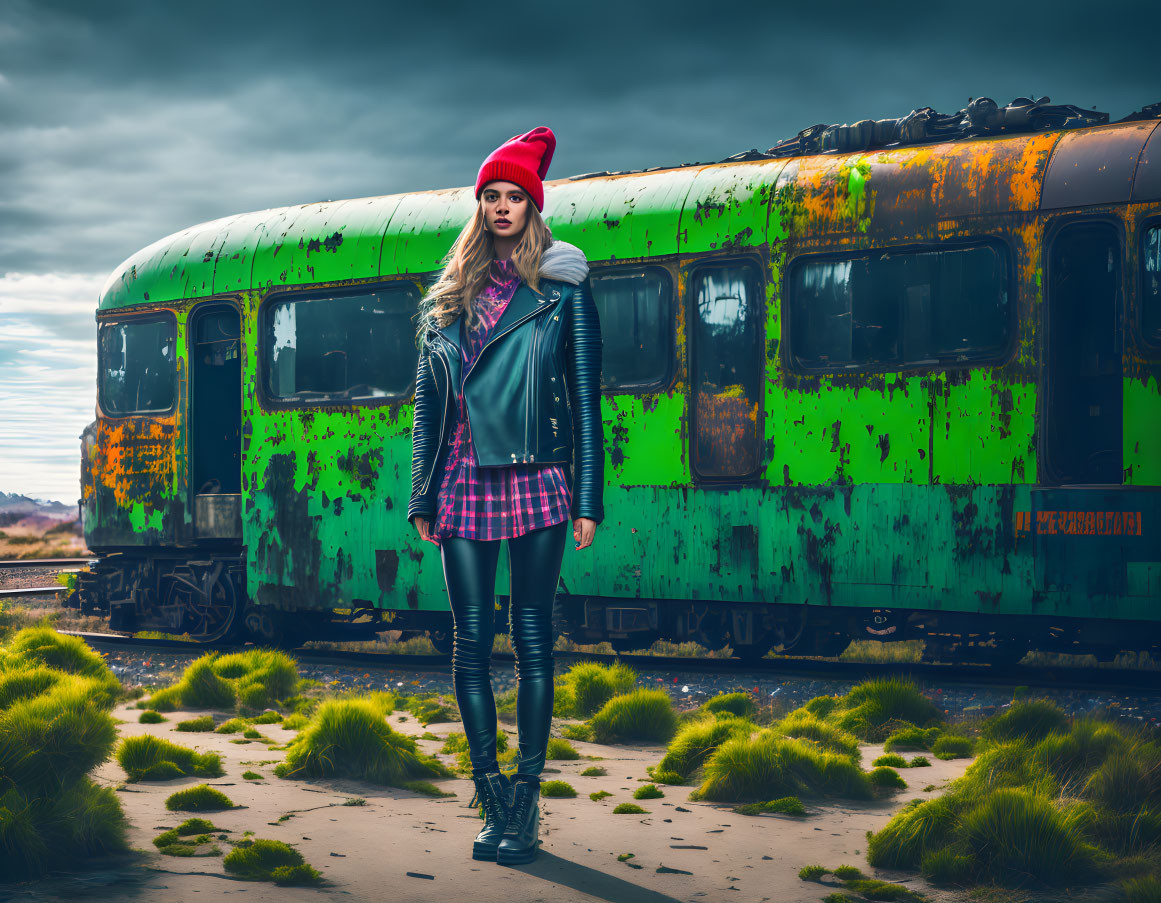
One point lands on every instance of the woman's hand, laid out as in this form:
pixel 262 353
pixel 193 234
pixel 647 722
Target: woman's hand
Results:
pixel 583 530
pixel 424 527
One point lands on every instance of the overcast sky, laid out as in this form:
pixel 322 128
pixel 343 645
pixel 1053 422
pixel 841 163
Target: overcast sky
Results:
pixel 126 120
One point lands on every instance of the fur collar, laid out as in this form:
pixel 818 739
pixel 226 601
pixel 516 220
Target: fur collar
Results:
pixel 565 262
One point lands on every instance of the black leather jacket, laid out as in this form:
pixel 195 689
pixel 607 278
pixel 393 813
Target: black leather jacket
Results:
pixel 531 396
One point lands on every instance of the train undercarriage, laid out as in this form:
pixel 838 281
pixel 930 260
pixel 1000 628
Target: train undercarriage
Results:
pixel 205 598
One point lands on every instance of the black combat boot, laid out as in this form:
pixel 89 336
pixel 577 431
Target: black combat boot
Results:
pixel 521 836
pixel 494 794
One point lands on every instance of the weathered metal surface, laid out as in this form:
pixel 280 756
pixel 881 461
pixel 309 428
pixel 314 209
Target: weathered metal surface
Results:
pixel 127 494
pixel 1147 180
pixel 901 489
pixel 621 217
pixel 1095 166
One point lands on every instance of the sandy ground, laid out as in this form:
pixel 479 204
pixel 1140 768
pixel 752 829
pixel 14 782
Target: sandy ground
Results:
pixel 401 846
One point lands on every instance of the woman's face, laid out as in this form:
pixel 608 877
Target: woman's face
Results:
pixel 505 208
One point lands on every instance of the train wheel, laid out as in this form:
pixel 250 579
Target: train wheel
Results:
pixel 208 600
pixel 271 627
pixel 443 640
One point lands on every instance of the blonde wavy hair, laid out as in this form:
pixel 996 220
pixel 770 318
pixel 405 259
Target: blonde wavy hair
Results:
pixel 465 269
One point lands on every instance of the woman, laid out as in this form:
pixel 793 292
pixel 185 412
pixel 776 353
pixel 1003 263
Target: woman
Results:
pixel 509 373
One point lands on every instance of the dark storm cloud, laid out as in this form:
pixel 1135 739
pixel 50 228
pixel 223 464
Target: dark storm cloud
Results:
pixel 122 122
pixel 126 121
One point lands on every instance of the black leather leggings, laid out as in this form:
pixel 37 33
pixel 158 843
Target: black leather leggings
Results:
pixel 469 567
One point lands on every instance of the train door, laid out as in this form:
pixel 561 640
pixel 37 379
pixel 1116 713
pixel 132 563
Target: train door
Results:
pixel 1083 377
pixel 215 423
pixel 726 367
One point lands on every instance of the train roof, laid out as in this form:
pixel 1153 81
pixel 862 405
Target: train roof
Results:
pixel 661 211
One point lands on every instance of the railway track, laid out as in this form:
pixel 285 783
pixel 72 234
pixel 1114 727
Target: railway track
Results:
pixel 29 591
pixel 1103 679
pixel 56 565
pixel 43 562
pixel 1096 679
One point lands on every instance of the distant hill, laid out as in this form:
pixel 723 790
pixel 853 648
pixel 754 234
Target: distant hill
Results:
pixel 14 507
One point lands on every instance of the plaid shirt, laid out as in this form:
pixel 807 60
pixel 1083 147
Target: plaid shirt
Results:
pixel 494 502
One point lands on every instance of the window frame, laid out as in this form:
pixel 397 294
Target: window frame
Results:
pixel 117 318
pixel 619 269
pixel 1147 348
pixel 793 364
pixel 758 269
pixel 270 401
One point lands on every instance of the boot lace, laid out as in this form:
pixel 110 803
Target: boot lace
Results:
pixel 519 811
pixel 491 803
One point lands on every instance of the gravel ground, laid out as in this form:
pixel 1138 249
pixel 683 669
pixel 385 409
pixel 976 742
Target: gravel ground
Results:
pixel 21 577
pixel 687 689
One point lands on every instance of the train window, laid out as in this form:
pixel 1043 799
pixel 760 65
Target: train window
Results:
pixel 137 366
pixel 727 359
pixel 635 308
pixel 900 309
pixel 1151 288
pixel 341 348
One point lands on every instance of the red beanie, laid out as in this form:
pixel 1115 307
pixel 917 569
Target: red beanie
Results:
pixel 522 159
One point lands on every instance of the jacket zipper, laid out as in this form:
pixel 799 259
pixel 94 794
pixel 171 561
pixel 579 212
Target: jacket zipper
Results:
pixel 442 427
pixel 529 399
pixel 535 393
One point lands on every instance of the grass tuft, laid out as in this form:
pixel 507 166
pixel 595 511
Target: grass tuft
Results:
pixel 561 749
pixel 251 679
pixel 825 735
pixel 642 715
pixel 874 709
pixel 270 860
pixel 149 758
pixel 351 738
pixel 199 798
pixel 884 776
pixel 456 743
pixel 55 727
pixel 951 746
pixel 1030 719
pixel 768 766
pixel 695 741
pixel 912 737
pixel 739 704
pixel 1041 805
pixel 582 690
pixel 557 789
pixel 629 809
pixel 199 725
pixel 788 805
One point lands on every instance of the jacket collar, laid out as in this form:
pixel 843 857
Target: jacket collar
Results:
pixel 524 302
pixel 561 263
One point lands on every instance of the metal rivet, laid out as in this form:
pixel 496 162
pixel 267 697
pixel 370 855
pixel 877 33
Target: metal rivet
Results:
pixel 556 318
pixel 557 397
pixel 553 378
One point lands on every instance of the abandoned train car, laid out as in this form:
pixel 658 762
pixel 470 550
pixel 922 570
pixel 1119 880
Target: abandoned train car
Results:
pixel 903 392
